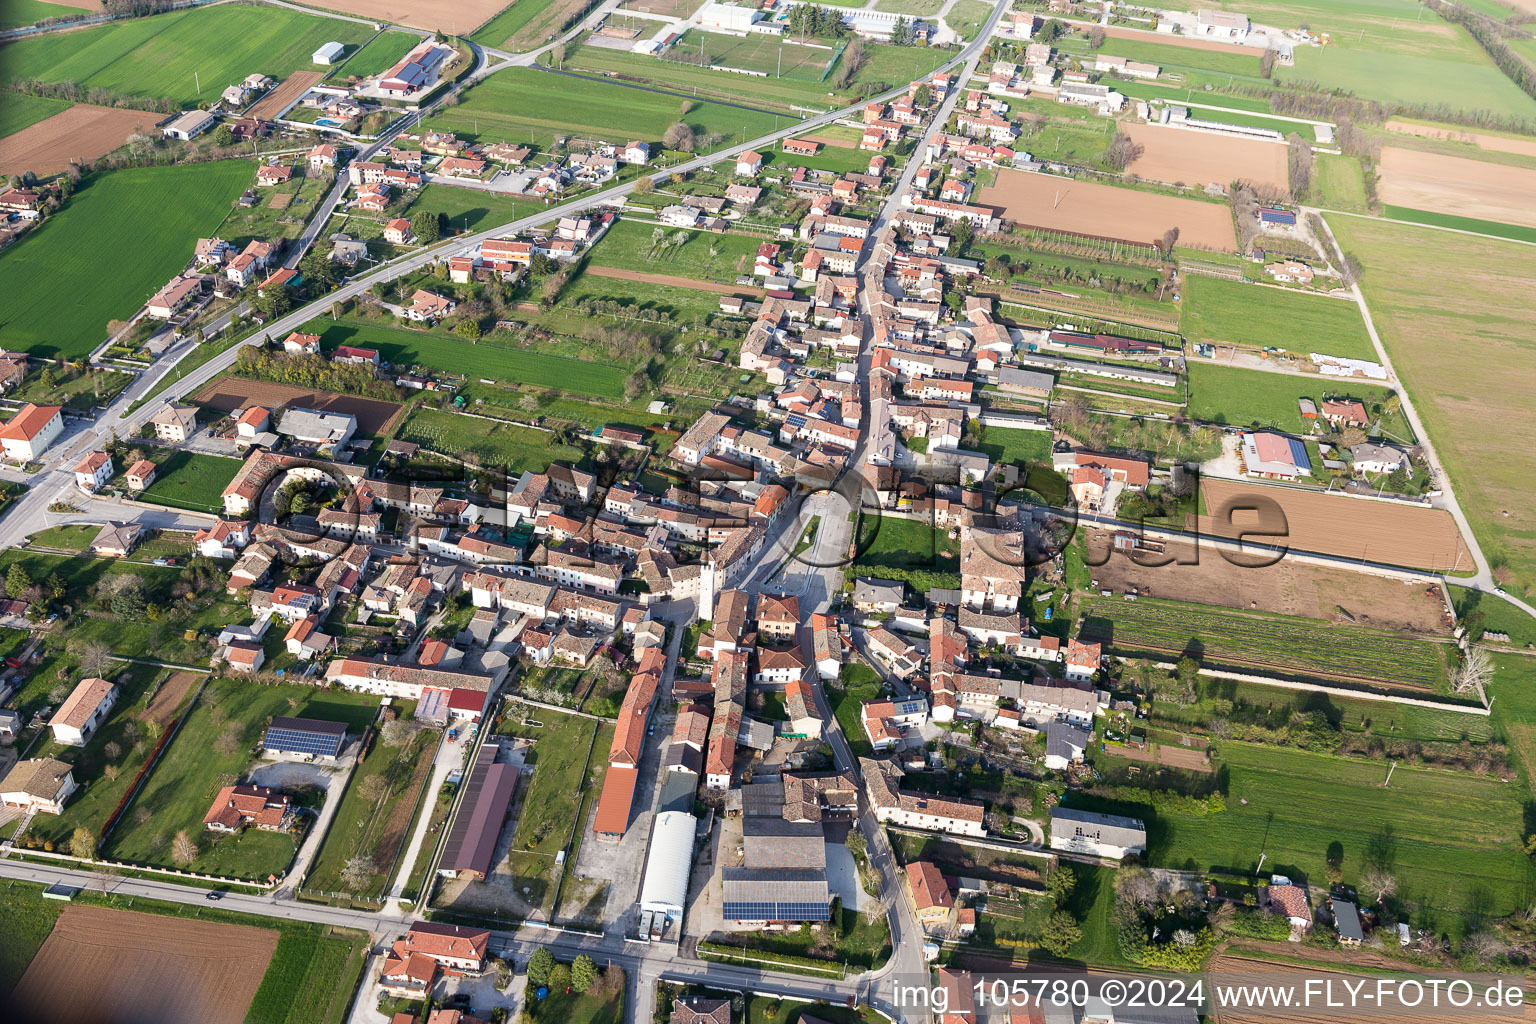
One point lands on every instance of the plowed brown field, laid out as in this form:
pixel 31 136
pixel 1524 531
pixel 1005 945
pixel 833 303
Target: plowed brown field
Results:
pixel 1106 211
pixel 231 394
pixel 83 131
pixel 670 281
pixel 1392 532
pixel 286 91
pixel 113 965
pixel 1482 140
pixel 1176 155
pixel 1458 186
pixel 458 18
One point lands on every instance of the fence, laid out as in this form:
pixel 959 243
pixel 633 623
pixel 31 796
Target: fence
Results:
pixel 150 762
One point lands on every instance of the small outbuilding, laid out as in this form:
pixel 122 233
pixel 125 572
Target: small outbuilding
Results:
pixel 328 54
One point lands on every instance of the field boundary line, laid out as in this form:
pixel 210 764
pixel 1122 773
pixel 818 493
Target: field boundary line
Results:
pixel 1431 227
pixel 1339 691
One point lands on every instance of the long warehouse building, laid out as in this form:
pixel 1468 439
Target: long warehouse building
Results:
pixel 471 844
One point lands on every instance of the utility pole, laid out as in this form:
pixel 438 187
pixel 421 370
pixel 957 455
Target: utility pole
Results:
pixel 1390 770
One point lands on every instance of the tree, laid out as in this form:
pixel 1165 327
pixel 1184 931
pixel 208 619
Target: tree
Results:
pixel 635 384
pixel 357 872
pixel 679 137
pixel 1299 161
pixel 397 732
pixel 583 973
pixel 468 328
pixel 55 587
pixel 557 54
pixel 82 844
pixel 644 186
pixel 559 978
pixel 1121 152
pixel 539 965
pixel 17 580
pixel 1474 672
pixel 1379 882
pixel 93 656
pixel 183 849
pixel 129 601
pixel 922 96
pixel 47 378
pixel 1267 64
pixel 1060 884
pixel 223 136
pixel 901 33
pixel 1050 31
pixel 424 225
pixel 1096 36
pixel 1061 933
pixel 960 233
pixel 1168 241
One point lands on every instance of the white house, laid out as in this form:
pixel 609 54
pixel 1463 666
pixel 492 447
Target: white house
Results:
pixel 28 434
pixel 93 472
pixel 748 164
pixel 83 711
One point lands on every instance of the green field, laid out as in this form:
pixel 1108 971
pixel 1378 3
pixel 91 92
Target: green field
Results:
pixel 499 32
pixel 375 827
pixel 632 245
pixel 155 212
pixel 470 209
pixel 157 57
pixel 1451 839
pixel 1021 447
pixel 192 481
pixel 1458 330
pixel 967 16
pixel 859 683
pixel 1216 636
pixel 1517 232
pixel 1257 316
pixel 488 359
pixel 495 444
pixel 1173 56
pixel 378 55
pixel 1338 183
pixel 906 549
pixel 549 803
pixel 1241 397
pixel 775 56
pixel 16 13
pixel 182 786
pixel 20 110
pixel 523 105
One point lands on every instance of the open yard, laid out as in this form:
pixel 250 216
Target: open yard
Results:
pixel 1338 183
pixel 490 358
pixel 906 549
pixel 1173 156
pixel 1257 316
pixel 1239 396
pixel 156 212
pixel 1106 211
pixel 213 749
pixel 523 105
pixel 774 56
pixel 494 443
pixel 1393 532
pixel 379 54
pixel 81 132
pixel 1458 329
pixel 470 209
pixel 180 971
pixel 1289 587
pixel 525 24
pixel 1243 640
pixel 1457 186
pixel 1451 839
pixel 231 394
pixel 632 245
pixel 374 817
pixel 192 481
pixel 157 57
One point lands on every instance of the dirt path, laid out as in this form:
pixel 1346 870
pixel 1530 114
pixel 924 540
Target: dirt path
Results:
pixel 169 697
pixel 671 282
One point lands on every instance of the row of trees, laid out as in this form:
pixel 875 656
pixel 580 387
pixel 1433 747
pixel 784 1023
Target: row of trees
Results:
pixel 816 21
pixel 312 372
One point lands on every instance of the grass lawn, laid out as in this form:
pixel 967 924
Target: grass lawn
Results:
pixel 16 13
pixel 83 390
pixel 523 105
pixel 631 245
pixel 73 538
pixel 1338 183
pixel 523 24
pixel 773 56
pixel 469 209
pixel 591 1007
pixel 499 444
pixel 1173 56
pixel 967 16
pixel 1458 330
pixel 1451 839
pixel 157 57
pixel 200 759
pixel 309 979
pixel 375 827
pixel 1475 225
pixel 440 351
pixel 1495 615
pixel 157 212
pixel 378 55
pixel 19 109
pixel 1023 447
pixel 1257 316
pixel 1239 396
pixel 773 1010
pixel 860 683
pixel 907 549
pixel 193 481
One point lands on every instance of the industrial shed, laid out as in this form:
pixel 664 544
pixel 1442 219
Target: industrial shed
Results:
pixel 471 842
pixel 665 887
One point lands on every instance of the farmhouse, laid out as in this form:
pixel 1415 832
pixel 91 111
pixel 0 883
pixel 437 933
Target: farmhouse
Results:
pixel 1377 458
pixel 1274 456
pixel 918 810
pixel 1103 835
pixel 41 785
pixel 28 434
pixel 83 711
pixel 238 806
pixel 188 125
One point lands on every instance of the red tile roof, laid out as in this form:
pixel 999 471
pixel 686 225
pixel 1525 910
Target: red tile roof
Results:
pixel 28 423
pixel 614 805
pixel 928 886
pixel 259 805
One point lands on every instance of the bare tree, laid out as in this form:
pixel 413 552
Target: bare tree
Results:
pixel 372 788
pixel 183 849
pixel 1474 672
pixel 228 742
pixel 1379 882
pixel 1299 161
pixel 679 137
pixel 94 657
pixel 398 732
pixel 357 872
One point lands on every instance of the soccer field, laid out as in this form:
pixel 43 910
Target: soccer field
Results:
pixel 772 55
pixel 153 213
pixel 187 57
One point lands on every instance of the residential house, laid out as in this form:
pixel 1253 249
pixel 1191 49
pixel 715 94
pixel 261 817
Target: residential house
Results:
pixel 115 540
pixel 28 434
pixel 140 475
pixel 93 472
pixel 83 711
pixel 174 423
pixel 235 807
pixel 40 785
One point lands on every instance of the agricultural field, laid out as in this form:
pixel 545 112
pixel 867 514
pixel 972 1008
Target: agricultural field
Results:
pixel 776 57
pixel 489 358
pixel 492 442
pixel 632 245
pixel 192 481
pixel 451 20
pixel 1338 183
pixel 1428 218
pixel 81 132
pixel 1457 329
pixel 373 820
pixel 17 13
pixel 966 17
pixel 1107 211
pixel 1452 839
pixel 1477 142
pixel 1456 186
pixel 1172 156
pixel 157 57
pixel 191 972
pixel 159 212
pixel 524 24
pixel 20 110
pixel 213 749
pixel 526 105
pixel 378 55
pixel 1221 312
pixel 1243 640
pixel 1241 397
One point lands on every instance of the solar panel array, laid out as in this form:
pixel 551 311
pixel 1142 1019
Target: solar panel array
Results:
pixel 285 735
pixel 774 910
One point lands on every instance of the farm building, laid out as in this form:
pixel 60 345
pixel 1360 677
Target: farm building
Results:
pixel 188 125
pixel 1103 835
pixel 471 844
pixel 328 54
pixel 304 737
